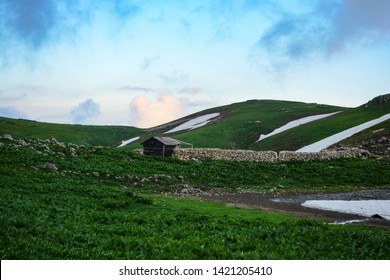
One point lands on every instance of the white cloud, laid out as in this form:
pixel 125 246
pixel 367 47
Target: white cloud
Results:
pixel 86 112
pixel 11 112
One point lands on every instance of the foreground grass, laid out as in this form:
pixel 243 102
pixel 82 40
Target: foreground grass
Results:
pixel 84 211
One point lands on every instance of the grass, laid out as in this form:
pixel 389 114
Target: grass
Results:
pixel 78 134
pixel 242 123
pixel 87 210
pixel 315 131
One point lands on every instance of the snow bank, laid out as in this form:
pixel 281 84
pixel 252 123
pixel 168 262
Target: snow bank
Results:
pixel 366 208
pixel 194 123
pixel 328 141
pixel 295 123
pixel 124 143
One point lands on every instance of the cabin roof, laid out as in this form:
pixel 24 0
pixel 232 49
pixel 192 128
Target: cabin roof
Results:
pixel 165 140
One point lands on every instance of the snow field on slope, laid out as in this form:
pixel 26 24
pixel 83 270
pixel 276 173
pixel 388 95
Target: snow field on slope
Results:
pixel 328 141
pixel 366 208
pixel 194 123
pixel 126 142
pixel 295 123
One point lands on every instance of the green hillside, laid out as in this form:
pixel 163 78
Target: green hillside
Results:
pixel 77 134
pixel 240 124
pixel 315 131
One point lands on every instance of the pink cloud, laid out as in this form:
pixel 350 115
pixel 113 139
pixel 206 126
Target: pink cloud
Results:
pixel 150 113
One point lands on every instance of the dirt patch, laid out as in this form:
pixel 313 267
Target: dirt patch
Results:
pixel 290 203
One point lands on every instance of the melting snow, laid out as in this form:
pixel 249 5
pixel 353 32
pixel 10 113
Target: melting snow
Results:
pixel 124 143
pixel 328 141
pixel 295 123
pixel 194 123
pixel 366 208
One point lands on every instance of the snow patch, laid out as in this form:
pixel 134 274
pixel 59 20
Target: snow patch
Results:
pixel 328 141
pixel 348 222
pixel 366 208
pixel 126 142
pixel 295 123
pixel 194 123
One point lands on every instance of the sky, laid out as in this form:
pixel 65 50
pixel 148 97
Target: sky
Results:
pixel 144 63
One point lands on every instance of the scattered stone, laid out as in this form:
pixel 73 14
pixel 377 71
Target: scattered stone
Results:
pixel 96 174
pixel 8 136
pixel 22 143
pixel 56 142
pixel 187 190
pixel 377 216
pixel 51 167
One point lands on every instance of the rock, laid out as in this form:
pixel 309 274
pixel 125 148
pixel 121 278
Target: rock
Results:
pixel 1 144
pixel 56 142
pixel 51 167
pixel 377 216
pixel 72 151
pixel 96 174
pixel 382 99
pixel 8 136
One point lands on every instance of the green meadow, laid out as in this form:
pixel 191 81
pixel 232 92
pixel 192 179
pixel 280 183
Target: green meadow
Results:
pixel 113 204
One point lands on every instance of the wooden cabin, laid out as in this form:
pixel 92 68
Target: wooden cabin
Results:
pixel 160 146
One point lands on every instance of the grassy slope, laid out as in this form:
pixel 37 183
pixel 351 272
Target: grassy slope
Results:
pixel 377 131
pixel 315 131
pixel 78 134
pixel 239 126
pixel 242 123
pixel 79 214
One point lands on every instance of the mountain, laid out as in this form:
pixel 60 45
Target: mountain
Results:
pixel 269 124
pixel 253 124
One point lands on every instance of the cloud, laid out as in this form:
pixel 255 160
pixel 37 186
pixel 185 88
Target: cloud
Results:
pixel 85 112
pixel 29 21
pixel 325 29
pixel 11 112
pixel 361 21
pixel 150 113
pixel 191 90
pixel 8 98
pixel 142 89
pixel 148 61
pixel 175 77
pixel 36 23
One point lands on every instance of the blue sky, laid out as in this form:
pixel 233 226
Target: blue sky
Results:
pixel 144 63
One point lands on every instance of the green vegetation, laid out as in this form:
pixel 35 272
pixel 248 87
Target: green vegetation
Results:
pixel 238 126
pixel 241 124
pixel 79 134
pixel 315 131
pixel 62 201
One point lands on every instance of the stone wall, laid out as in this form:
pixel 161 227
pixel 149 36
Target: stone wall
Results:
pixel 323 155
pixel 265 156
pixel 237 155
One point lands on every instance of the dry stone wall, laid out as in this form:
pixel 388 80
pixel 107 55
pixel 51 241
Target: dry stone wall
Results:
pixel 265 156
pixel 236 155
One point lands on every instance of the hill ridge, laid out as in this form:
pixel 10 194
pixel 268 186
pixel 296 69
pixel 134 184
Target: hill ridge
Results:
pixel 235 126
